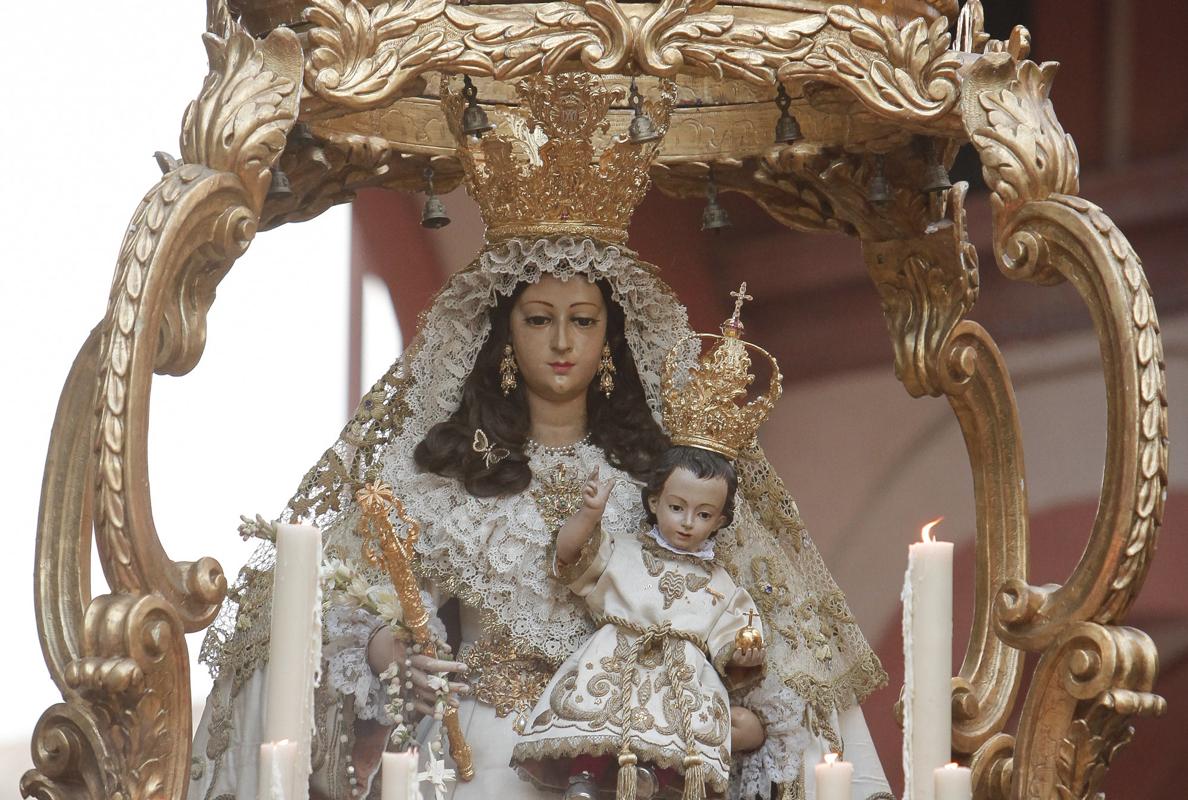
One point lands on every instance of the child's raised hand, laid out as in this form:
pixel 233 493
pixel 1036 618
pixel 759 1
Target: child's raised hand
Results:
pixel 749 658
pixel 597 492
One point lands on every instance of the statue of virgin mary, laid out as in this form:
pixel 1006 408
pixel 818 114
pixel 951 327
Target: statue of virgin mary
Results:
pixel 533 367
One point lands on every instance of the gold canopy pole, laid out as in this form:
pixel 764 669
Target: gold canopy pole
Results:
pixel 384 548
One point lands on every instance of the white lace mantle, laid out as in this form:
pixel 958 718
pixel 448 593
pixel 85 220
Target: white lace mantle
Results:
pixel 494 552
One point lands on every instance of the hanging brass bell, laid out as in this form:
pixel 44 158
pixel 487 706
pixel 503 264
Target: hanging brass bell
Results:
pixel 278 187
pixel 787 128
pixel 434 214
pixel 936 177
pixel 878 189
pixel 301 135
pixel 474 119
pixel 641 130
pixel 714 217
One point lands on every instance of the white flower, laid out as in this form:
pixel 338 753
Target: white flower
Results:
pixel 437 774
pixel 335 573
pixel 356 590
pixel 386 603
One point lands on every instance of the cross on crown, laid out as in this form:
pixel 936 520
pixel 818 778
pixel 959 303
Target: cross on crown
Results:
pixel 733 326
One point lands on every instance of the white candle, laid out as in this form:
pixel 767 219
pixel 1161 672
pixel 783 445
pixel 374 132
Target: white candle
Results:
pixel 398 780
pixel 833 778
pixel 928 662
pixel 953 782
pixel 277 766
pixel 295 649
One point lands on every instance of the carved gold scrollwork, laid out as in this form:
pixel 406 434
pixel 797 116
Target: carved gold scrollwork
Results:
pixel 1044 235
pixel 364 59
pixel 928 283
pixel 124 728
pixel 902 71
pixel 1086 687
pixel 1093 675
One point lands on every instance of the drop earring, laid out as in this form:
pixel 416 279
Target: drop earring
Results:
pixel 606 372
pixel 507 370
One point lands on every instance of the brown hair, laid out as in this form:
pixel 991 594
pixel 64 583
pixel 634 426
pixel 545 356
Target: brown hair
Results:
pixel 621 425
pixel 703 464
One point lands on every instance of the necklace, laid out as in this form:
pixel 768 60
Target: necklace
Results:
pixel 533 447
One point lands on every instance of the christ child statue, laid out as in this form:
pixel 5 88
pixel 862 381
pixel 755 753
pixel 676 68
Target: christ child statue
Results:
pixel 647 693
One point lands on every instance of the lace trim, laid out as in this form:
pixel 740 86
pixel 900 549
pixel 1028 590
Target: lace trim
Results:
pixel 348 631
pixel 706 553
pixel 780 759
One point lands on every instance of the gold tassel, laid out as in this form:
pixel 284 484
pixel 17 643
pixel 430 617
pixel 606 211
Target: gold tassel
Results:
pixel 694 778
pixel 627 776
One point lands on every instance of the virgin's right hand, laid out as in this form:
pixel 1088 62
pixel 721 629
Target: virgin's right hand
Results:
pixel 423 667
pixel 384 649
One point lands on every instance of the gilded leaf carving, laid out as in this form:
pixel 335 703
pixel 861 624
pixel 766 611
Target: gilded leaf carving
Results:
pixel 366 58
pixel 904 71
pixel 1026 155
pixel 241 118
pixel 1094 674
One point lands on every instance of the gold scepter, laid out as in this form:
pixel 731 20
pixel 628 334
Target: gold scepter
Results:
pixel 384 548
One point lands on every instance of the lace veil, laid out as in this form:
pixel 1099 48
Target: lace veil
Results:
pixel 815 647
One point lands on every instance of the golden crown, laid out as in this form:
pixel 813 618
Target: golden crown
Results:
pixel 710 411
pixel 538 173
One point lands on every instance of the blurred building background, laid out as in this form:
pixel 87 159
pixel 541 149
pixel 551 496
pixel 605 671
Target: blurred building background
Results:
pixel 868 464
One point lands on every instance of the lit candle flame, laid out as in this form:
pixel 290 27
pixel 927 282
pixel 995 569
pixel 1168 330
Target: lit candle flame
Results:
pixel 830 758
pixel 951 765
pixel 926 531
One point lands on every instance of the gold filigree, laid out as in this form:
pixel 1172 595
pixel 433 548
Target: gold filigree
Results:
pixel 673 584
pixel 502 676
pixel 386 549
pixel 558 496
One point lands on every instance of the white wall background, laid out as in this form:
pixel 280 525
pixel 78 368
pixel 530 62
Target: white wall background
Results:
pixel 92 90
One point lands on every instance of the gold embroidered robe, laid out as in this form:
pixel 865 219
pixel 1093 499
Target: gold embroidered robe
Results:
pixel 650 676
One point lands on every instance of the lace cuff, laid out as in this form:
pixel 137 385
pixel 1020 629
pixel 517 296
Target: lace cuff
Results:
pixel 780 759
pixel 349 629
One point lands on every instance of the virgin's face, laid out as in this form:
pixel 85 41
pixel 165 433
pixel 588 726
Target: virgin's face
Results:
pixel 557 330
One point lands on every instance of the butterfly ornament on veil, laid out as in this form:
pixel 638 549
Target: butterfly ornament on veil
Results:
pixel 492 454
